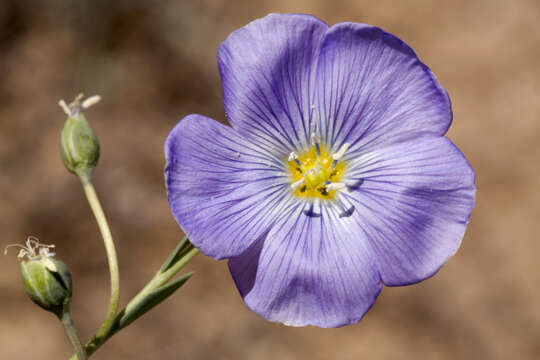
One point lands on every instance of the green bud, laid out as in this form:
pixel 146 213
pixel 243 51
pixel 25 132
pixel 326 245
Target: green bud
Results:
pixel 79 146
pixel 48 286
pixel 45 279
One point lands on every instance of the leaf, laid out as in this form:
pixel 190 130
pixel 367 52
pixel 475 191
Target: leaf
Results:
pixel 156 296
pixel 183 246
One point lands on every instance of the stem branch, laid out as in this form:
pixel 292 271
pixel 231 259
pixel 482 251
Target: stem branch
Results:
pixel 71 332
pixel 111 254
pixel 162 278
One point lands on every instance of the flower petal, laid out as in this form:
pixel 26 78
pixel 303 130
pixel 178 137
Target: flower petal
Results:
pixel 267 70
pixel 372 90
pixel 222 191
pixel 309 270
pixel 414 204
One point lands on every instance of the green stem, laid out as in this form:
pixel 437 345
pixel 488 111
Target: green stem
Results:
pixel 158 280
pixel 71 332
pixel 111 254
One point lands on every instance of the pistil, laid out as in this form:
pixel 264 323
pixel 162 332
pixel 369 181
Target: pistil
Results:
pixel 316 173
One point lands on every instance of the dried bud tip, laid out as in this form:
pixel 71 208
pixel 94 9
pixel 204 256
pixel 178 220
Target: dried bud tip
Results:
pixel 78 104
pixel 92 100
pixel 32 249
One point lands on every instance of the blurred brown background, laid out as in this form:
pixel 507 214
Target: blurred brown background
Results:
pixel 155 62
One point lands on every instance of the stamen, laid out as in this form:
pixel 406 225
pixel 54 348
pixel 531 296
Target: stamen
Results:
pixel 313 116
pixel 315 140
pixel 316 206
pixel 294 157
pixel 335 186
pixel 295 185
pixel 346 210
pixel 341 152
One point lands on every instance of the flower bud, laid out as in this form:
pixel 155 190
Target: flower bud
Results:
pixel 79 146
pixel 45 279
pixel 47 283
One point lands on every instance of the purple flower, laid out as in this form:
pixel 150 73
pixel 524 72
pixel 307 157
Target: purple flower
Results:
pixel 334 177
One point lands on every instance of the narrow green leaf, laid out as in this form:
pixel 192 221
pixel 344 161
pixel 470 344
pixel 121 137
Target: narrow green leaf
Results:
pixel 183 246
pixel 156 296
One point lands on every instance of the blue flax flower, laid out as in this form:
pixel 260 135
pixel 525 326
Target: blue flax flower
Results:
pixel 334 177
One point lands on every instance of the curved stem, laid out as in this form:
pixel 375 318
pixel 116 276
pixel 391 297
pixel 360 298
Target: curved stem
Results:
pixel 111 254
pixel 71 332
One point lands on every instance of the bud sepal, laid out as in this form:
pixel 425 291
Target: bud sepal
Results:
pixel 49 289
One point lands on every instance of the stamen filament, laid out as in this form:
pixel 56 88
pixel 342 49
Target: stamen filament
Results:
pixel 294 157
pixel 316 205
pixel 335 186
pixel 341 152
pixel 315 139
pixel 295 185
